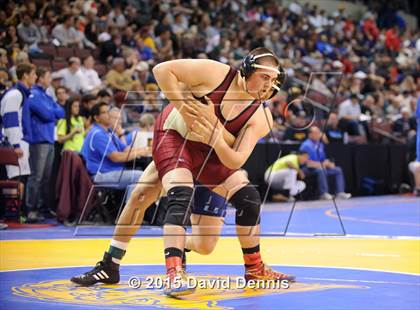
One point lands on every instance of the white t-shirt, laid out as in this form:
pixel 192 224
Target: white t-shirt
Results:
pixel 91 78
pixel 73 81
pixel 347 108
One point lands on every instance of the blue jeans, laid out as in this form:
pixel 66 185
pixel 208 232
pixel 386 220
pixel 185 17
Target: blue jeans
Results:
pixel 41 160
pixel 349 126
pixel 121 179
pixel 322 178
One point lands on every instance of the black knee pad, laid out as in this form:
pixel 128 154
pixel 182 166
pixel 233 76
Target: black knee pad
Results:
pixel 247 202
pixel 179 205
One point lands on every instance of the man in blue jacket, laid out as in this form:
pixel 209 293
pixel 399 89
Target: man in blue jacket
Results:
pixel 44 112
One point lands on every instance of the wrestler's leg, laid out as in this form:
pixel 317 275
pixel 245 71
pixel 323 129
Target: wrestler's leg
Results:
pixel 206 229
pixel 205 233
pixel 178 183
pixel 246 200
pixel 145 193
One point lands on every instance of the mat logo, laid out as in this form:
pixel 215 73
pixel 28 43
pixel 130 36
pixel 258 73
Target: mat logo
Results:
pixel 121 294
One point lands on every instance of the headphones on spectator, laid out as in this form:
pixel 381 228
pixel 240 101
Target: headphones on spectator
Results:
pixel 249 65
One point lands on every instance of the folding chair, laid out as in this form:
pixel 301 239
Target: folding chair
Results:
pixel 10 190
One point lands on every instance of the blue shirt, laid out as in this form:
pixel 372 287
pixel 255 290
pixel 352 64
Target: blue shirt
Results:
pixel 44 113
pixel 145 53
pixel 316 150
pixel 98 145
pixel 129 137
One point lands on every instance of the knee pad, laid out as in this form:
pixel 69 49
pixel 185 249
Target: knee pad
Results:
pixel 179 205
pixel 247 203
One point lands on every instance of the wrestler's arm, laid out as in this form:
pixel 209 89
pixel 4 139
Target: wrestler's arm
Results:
pixel 236 156
pixel 192 72
pixel 227 136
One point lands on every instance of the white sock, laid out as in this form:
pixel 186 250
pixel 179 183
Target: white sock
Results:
pixel 115 244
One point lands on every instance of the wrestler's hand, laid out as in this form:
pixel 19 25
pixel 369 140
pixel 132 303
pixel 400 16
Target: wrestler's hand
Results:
pixel 187 114
pixel 203 110
pixel 193 109
pixel 203 131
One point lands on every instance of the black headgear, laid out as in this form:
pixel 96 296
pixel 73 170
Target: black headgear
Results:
pixel 249 65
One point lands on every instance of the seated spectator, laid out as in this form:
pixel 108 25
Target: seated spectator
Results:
pixel 83 42
pixel 72 77
pixel 153 101
pixel 295 105
pixel 10 39
pixel 91 78
pixel 164 45
pixel 145 52
pixel 115 118
pixel 41 29
pixel 111 49
pixel 104 96
pixel 87 103
pixel 65 32
pixel 283 174
pixel 105 154
pixel 406 125
pixel 322 167
pixel 4 62
pixel 143 136
pixel 348 114
pixel 405 98
pixel 128 37
pixel 28 33
pixel 296 131
pixel 180 24
pixel 332 131
pixel 117 18
pixel 143 74
pixel 118 77
pixel 71 129
pixel 393 110
pixel 5 82
pixel 21 57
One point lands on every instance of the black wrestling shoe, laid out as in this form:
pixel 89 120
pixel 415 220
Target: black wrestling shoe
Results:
pixel 105 271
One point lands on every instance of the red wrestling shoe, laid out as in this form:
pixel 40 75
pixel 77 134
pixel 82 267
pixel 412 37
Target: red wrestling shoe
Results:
pixel 265 273
pixel 176 283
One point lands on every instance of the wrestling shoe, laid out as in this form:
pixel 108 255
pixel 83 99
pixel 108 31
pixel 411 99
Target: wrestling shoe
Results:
pixel 176 283
pixel 105 271
pixel 265 273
